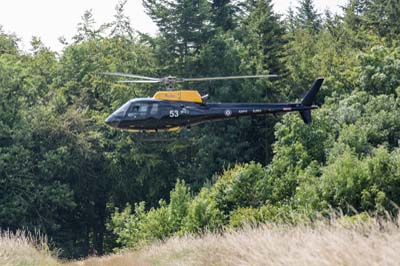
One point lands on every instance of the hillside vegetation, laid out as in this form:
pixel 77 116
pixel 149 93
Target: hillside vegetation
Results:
pixel 341 242
pixel 93 190
pixel 360 240
pixel 357 241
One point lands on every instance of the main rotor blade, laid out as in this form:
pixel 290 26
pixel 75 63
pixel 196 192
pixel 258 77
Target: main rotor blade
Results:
pixel 230 77
pixel 138 81
pixel 129 75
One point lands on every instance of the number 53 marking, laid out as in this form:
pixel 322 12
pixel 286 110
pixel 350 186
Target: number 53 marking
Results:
pixel 173 113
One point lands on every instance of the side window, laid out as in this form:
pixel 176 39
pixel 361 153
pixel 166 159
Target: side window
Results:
pixel 143 108
pixel 154 109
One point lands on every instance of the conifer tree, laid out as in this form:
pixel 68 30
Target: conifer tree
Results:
pixel 383 16
pixel 352 14
pixel 86 28
pixel 184 23
pixel 224 14
pixel 122 24
pixel 307 17
pixel 290 20
pixel 264 35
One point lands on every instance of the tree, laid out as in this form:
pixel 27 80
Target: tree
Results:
pixel 184 26
pixel 354 27
pixel 8 43
pixel 383 17
pixel 353 14
pixel 307 17
pixel 121 25
pixel 379 70
pixel 290 20
pixel 263 34
pixel 86 28
pixel 224 14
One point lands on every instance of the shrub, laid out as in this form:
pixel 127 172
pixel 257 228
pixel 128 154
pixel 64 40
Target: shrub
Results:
pixel 366 184
pixel 134 229
pixel 244 216
pixel 158 223
pixel 203 213
pixel 239 187
pixel 178 206
pixel 275 214
pixel 128 226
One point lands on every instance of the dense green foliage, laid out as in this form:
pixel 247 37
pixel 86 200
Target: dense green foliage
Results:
pixel 91 188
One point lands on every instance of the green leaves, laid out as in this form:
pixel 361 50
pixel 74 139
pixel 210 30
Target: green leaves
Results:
pixel 379 70
pixel 382 16
pixel 203 214
pixel 8 43
pixel 362 184
pixel 127 225
pixel 139 227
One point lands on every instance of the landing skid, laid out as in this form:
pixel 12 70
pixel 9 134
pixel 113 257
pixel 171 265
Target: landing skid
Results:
pixel 150 131
pixel 161 136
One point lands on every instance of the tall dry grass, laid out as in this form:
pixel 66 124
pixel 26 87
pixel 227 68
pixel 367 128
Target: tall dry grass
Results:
pixel 21 249
pixel 371 242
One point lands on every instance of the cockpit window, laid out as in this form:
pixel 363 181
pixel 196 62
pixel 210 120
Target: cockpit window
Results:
pixel 134 109
pixel 138 109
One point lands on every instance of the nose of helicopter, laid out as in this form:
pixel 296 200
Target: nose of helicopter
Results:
pixel 112 121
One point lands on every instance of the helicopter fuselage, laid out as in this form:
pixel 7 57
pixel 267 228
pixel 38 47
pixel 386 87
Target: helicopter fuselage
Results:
pixel 152 115
pixel 172 110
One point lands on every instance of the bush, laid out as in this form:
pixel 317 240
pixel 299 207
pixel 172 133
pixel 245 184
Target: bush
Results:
pixel 203 214
pixel 139 227
pixel 349 182
pixel 239 187
pixel 128 226
pixel 276 214
pixel 158 223
pixel 244 216
pixel 366 184
pixel 179 204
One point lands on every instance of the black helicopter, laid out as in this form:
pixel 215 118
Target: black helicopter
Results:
pixel 173 110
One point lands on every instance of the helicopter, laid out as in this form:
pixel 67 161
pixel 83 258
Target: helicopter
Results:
pixel 173 110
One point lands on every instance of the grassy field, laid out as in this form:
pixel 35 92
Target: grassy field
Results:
pixel 337 243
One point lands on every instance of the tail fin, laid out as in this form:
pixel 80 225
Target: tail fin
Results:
pixel 309 99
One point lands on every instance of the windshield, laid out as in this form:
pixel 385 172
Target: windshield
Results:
pixel 122 110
